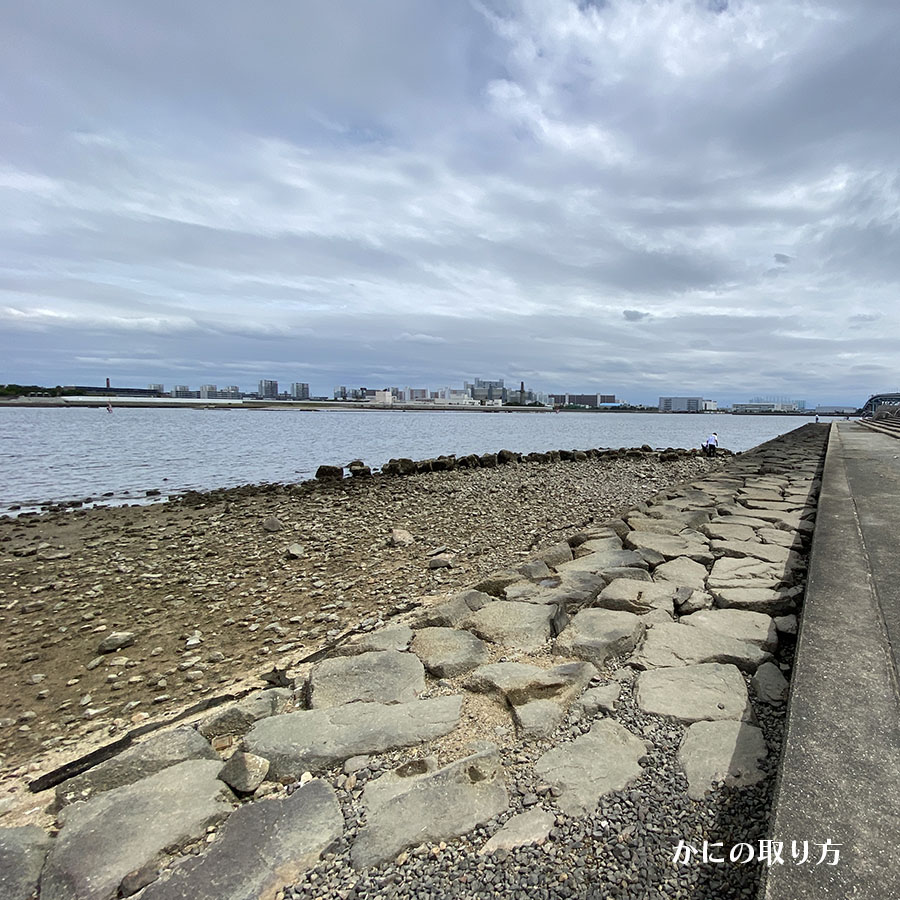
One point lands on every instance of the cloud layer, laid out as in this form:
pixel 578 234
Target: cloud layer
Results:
pixel 657 197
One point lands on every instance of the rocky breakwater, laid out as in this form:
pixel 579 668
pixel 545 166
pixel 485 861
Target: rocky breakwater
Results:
pixel 552 731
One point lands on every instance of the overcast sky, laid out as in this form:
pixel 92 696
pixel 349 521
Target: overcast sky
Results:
pixel 638 197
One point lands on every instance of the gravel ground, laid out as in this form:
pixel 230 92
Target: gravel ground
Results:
pixel 623 850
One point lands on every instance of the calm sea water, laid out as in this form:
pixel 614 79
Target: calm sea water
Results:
pixel 59 454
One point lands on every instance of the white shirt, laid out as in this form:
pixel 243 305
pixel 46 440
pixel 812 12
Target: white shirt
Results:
pixel 713 440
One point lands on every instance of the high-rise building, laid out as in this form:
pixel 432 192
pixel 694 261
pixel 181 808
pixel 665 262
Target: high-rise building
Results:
pixel 208 392
pixel 156 387
pixel 680 404
pixel 268 390
pixel 300 390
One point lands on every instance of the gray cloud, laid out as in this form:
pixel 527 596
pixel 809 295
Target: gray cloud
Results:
pixel 418 191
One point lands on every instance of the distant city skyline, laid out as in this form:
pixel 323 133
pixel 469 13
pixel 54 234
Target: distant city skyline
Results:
pixel 307 390
pixel 668 198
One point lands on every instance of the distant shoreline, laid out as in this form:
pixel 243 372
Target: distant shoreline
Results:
pixel 99 402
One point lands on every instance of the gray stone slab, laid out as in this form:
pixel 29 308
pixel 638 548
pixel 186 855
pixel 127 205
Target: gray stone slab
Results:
pixel 384 676
pixel 437 806
pixel 538 718
pixel 451 613
pixel 709 691
pixel 793 540
pixel 769 684
pixel 262 847
pixel 394 637
pixel 638 597
pixel 730 572
pixel 448 652
pixel 524 830
pixel 316 739
pixel 606 559
pixel 725 751
pixel 753 627
pixel 641 522
pixel 600 699
pixel 518 626
pixel 556 554
pixel 600 545
pixel 521 683
pixel 746 521
pixel 721 531
pixel 603 760
pixel 22 854
pixel 773 553
pixel 535 569
pixel 681 645
pixel 244 772
pixel 597 635
pixel 682 572
pixel 669 546
pixel 238 718
pixel 766 600
pixel 127 828
pixel 146 758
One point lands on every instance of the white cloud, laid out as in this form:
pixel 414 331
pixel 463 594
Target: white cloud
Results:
pixel 592 187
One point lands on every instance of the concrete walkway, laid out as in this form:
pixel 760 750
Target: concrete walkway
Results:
pixel 841 769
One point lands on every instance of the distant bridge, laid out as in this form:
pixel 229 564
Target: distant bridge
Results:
pixel 877 400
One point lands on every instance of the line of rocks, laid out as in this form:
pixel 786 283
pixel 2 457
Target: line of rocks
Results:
pixel 448 463
pixel 551 732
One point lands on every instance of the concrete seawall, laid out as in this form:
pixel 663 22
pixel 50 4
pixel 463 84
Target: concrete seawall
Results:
pixel 840 778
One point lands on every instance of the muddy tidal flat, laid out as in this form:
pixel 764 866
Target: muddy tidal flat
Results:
pixel 219 589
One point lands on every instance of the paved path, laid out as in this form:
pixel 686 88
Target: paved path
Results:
pixel 841 768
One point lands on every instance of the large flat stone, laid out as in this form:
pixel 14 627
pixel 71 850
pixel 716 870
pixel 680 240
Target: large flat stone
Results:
pixel 604 559
pixel 753 627
pixel 756 599
pixel 518 626
pixel 451 613
pixel 597 635
pixel 520 683
pixel 638 597
pixel 724 751
pixel 709 691
pixel 448 652
pixel 538 718
pixel 723 531
pixel 394 637
pixel 773 553
pixel 603 760
pixel 317 739
pixel 239 718
pixel 682 572
pixel 525 829
pixel 127 828
pixel 672 644
pixel 670 546
pixel 641 522
pixel 262 847
pixel 385 676
pixel 137 762
pixel 730 572
pixel 22 854
pixel 436 806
